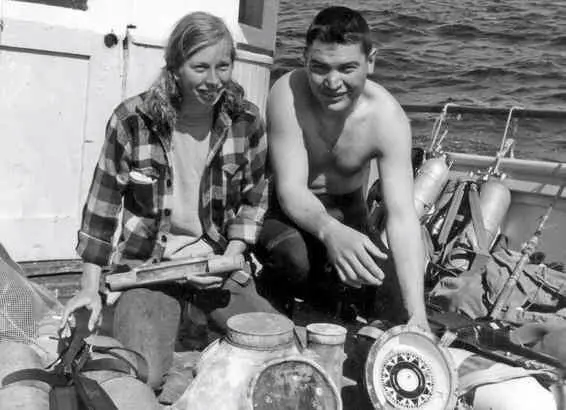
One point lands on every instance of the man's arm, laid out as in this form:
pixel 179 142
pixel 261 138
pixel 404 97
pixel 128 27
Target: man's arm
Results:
pixel 402 226
pixel 350 251
pixel 289 159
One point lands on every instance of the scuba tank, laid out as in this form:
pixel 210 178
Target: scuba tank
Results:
pixel 495 196
pixel 495 199
pixel 430 180
pixel 25 394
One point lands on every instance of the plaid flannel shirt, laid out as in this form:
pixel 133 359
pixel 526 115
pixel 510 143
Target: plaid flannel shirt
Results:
pixel 133 183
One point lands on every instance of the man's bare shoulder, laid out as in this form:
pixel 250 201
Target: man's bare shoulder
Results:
pixel 381 102
pixel 383 109
pixel 388 120
pixel 291 87
pixel 289 101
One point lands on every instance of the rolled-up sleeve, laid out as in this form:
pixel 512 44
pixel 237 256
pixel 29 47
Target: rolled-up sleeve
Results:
pixel 103 204
pixel 249 218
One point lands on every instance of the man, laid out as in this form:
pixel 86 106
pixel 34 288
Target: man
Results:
pixel 326 122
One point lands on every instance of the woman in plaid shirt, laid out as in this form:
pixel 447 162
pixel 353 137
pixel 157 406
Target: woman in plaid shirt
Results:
pixel 181 174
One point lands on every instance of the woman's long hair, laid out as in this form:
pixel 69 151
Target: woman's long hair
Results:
pixel 191 34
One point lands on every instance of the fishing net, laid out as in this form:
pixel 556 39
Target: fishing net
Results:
pixel 25 307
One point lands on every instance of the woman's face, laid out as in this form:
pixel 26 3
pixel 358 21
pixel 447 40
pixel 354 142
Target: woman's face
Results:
pixel 205 74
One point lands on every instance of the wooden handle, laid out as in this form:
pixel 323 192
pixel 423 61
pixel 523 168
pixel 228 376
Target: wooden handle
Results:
pixel 171 271
pixel 221 264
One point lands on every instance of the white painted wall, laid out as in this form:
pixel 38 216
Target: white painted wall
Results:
pixel 58 86
pixel 154 19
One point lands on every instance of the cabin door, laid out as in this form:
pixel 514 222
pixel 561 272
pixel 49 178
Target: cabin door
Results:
pixel 58 84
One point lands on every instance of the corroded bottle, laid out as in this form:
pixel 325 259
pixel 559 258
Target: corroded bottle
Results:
pixel 258 366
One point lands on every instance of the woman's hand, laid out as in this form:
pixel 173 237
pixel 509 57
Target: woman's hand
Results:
pixel 204 280
pixel 235 247
pixel 88 298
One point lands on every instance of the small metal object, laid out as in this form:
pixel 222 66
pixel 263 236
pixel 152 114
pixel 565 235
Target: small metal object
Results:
pixel 110 40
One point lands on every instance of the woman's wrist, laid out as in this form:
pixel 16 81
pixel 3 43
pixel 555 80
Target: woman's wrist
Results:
pixel 90 280
pixel 235 246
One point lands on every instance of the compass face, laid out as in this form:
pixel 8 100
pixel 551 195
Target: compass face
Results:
pixel 407 380
pixel 406 370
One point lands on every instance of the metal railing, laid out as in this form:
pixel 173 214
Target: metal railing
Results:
pixel 452 108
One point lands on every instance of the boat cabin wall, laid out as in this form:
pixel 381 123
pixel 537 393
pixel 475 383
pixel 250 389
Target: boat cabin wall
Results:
pixel 64 66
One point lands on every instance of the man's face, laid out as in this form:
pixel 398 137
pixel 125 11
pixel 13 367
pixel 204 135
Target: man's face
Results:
pixel 337 73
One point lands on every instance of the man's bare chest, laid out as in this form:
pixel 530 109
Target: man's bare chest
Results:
pixel 345 152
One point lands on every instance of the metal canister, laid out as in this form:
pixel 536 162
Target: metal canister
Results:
pixel 258 366
pixel 327 341
pixel 495 199
pixel 430 180
pixel 226 366
pixel 129 393
pixel 25 394
pixel 102 375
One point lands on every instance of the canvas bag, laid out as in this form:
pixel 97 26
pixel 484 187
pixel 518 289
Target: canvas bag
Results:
pixel 540 294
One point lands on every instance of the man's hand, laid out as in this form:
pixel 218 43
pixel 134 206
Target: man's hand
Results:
pixel 353 255
pixel 88 298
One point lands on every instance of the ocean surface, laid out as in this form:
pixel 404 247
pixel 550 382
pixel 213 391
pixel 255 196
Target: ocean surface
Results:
pixel 474 52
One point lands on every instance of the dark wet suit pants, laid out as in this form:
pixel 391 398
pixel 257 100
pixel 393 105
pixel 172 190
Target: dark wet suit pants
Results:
pixel 295 262
pixel 147 320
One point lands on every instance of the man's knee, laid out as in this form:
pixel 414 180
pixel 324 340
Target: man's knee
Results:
pixel 284 254
pixel 294 264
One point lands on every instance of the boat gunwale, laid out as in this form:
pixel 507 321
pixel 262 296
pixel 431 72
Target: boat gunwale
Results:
pixel 453 108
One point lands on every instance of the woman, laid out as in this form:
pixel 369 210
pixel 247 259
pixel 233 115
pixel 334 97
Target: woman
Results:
pixel 183 167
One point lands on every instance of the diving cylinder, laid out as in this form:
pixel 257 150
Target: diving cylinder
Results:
pixel 430 180
pixel 101 375
pixel 495 199
pixel 127 392
pixel 24 394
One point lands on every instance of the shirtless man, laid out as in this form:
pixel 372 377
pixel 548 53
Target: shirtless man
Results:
pixel 326 122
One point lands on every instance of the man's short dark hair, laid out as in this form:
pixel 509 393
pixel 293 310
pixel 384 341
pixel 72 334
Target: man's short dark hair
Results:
pixel 340 25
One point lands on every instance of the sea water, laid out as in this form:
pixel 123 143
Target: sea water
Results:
pixel 476 52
